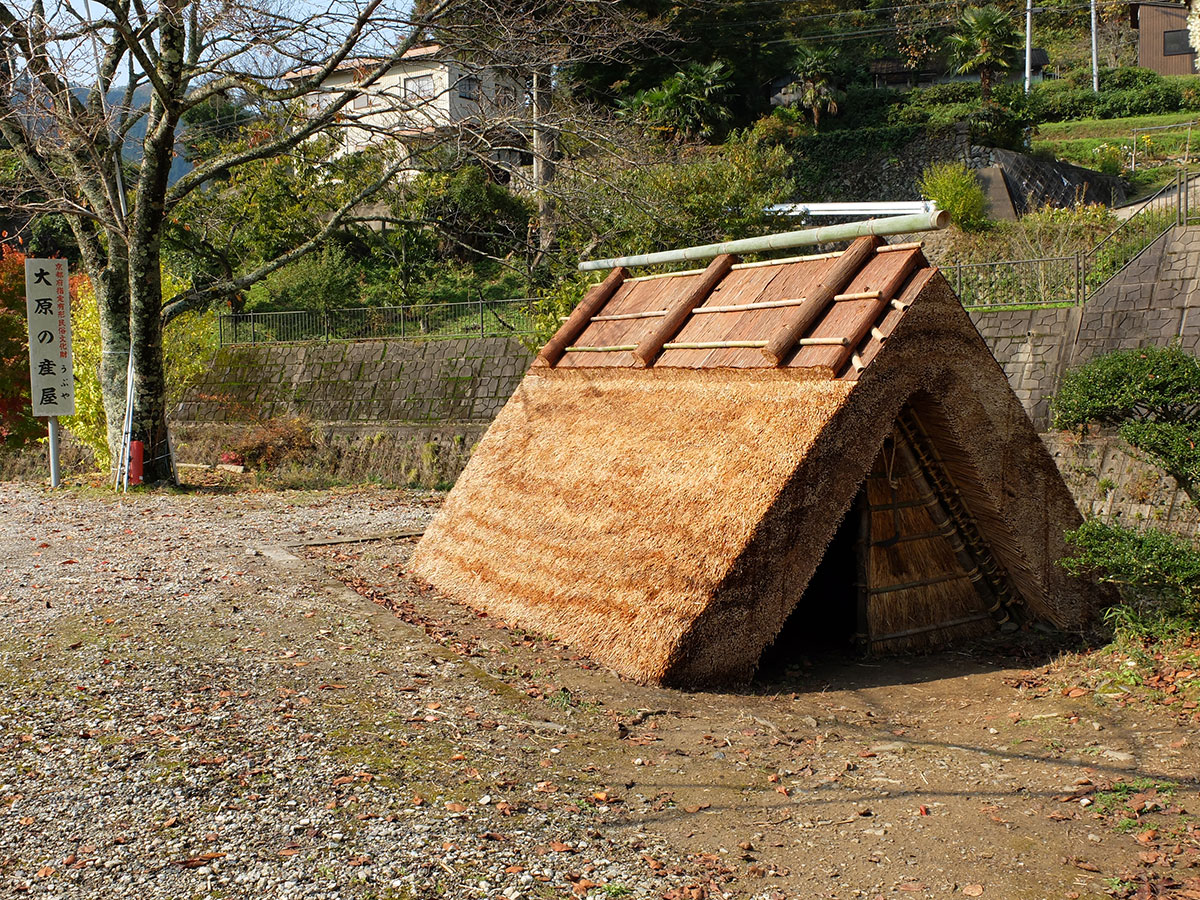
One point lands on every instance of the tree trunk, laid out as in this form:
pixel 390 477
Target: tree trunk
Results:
pixel 543 156
pixel 112 298
pixel 985 85
pixel 149 375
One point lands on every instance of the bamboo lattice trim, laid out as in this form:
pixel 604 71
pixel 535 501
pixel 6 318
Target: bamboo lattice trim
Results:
pixel 909 585
pixel 710 345
pixel 812 257
pixel 713 345
pixel 940 626
pixel 878 335
pixel 737 307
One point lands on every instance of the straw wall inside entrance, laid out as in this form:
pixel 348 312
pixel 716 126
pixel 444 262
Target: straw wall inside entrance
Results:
pixel 919 591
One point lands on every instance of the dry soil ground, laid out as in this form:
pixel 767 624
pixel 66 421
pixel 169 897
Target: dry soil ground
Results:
pixel 199 699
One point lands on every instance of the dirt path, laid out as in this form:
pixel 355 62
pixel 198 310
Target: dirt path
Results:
pixel 191 709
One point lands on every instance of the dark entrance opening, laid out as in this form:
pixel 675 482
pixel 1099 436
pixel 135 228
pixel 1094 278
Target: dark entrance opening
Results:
pixel 824 622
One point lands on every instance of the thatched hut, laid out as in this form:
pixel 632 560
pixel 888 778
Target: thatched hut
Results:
pixel 695 458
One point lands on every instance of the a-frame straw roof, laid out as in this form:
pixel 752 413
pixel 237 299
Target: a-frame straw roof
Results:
pixel 661 487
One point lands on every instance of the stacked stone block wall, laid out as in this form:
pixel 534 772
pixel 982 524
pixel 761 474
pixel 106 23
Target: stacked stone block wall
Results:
pixel 404 412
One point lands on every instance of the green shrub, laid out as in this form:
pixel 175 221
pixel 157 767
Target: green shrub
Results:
pixel 1157 573
pixel 956 189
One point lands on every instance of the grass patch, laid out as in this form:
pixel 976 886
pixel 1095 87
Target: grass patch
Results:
pixel 1108 128
pixel 1121 793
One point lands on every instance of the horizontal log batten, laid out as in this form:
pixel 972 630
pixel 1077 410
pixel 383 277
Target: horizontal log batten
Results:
pixel 613 349
pixel 892 248
pixel 952 623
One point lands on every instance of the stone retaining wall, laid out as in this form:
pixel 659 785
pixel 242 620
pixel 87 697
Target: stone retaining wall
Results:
pixel 403 412
pixel 1153 301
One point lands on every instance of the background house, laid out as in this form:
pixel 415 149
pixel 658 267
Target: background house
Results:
pixel 429 98
pixel 1162 38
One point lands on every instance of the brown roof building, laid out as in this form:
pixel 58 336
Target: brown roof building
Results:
pixel 1162 37
pixel 696 458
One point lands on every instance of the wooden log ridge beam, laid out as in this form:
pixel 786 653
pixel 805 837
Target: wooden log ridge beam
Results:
pixel 870 318
pixel 579 320
pixel 840 274
pixel 651 345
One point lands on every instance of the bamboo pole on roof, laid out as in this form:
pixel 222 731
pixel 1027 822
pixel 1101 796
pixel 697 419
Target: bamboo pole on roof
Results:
pixel 825 234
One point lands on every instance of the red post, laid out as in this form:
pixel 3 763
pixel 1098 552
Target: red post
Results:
pixel 136 449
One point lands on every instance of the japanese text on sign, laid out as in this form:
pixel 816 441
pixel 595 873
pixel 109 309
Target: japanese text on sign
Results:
pixel 48 305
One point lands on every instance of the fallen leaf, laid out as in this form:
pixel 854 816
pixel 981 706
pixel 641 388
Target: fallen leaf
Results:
pixel 560 847
pixel 973 890
pixel 45 871
pixel 456 807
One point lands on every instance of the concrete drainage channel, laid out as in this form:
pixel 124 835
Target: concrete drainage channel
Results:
pixel 283 554
pixel 384 617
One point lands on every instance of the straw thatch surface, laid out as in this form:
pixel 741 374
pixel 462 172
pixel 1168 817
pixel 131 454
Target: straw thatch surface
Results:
pixel 666 521
pixel 606 506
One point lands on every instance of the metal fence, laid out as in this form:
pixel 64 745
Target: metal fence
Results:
pixel 429 321
pixel 1069 280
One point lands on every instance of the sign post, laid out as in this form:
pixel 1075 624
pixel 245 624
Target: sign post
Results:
pixel 51 365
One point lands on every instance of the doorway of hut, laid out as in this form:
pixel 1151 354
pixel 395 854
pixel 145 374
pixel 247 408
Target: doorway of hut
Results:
pixel 824 623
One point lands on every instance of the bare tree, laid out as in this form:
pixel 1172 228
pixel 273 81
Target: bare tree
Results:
pixel 58 73
pixel 76 87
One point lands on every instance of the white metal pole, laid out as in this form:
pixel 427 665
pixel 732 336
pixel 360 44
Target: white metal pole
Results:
pixel 54 473
pixel 1028 45
pixel 1095 53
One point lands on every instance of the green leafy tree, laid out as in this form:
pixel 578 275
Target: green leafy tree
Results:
pixel 17 424
pixel 70 143
pixel 986 42
pixel 815 69
pixel 1152 395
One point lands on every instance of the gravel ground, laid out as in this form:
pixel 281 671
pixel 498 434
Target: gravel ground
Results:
pixel 189 710
pixel 222 694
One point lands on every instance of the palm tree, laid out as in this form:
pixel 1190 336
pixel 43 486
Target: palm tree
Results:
pixel 815 70
pixel 986 42
pixel 694 102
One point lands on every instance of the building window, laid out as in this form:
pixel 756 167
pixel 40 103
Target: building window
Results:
pixel 361 101
pixel 1175 43
pixel 419 86
pixel 468 87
